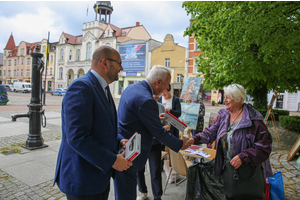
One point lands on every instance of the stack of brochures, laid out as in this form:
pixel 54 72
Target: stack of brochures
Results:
pixel 177 123
pixel 133 147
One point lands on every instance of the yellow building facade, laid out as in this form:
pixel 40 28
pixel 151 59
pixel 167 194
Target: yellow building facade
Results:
pixel 173 56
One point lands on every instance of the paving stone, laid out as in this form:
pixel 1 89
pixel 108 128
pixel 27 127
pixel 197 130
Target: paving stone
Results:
pixel 289 174
pixel 19 194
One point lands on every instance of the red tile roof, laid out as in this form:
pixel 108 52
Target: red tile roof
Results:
pixel 11 43
pixel 71 39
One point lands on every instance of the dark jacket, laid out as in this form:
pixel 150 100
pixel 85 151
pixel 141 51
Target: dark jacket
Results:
pixel 89 139
pixel 251 140
pixel 176 111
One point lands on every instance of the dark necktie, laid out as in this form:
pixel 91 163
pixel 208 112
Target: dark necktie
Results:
pixel 109 97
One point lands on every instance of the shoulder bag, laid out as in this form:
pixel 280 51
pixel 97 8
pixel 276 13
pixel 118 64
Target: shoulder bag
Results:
pixel 246 182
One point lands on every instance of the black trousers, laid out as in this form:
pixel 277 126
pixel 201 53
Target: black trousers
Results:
pixel 155 173
pixel 102 196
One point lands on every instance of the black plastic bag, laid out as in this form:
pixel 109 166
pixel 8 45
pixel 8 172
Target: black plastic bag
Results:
pixel 201 185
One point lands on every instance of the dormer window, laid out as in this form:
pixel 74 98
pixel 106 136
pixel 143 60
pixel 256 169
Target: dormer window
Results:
pixel 108 33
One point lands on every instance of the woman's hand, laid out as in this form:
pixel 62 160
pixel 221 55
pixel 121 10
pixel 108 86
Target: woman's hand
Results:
pixel 236 162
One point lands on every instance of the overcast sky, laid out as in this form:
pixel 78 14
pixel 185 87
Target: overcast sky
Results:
pixel 30 21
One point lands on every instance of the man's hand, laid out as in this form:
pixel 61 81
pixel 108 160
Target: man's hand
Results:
pixel 123 143
pixel 121 163
pixel 168 109
pixel 167 127
pixel 185 143
pixel 236 162
pixel 162 117
pixel 190 141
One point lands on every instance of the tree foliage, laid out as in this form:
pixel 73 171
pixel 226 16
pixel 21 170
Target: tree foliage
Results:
pixel 253 43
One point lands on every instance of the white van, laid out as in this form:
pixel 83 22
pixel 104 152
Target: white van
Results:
pixel 22 86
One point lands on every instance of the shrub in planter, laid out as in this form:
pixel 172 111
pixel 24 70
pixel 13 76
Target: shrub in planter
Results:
pixel 291 123
pixel 276 113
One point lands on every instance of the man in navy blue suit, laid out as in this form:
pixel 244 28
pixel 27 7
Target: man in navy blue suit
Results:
pixel 138 112
pixel 88 156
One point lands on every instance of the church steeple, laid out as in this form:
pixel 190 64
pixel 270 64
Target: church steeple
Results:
pixel 103 8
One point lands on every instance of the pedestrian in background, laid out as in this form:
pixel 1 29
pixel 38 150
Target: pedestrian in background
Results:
pixel 87 157
pixel 172 105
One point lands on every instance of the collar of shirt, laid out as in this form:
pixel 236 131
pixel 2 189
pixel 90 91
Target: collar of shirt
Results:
pixel 150 86
pixel 100 79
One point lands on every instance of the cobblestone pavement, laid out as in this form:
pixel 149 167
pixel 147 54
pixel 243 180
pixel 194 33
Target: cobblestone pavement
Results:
pixel 11 188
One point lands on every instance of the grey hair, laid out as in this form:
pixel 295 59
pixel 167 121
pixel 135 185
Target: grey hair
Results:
pixel 158 71
pixel 235 92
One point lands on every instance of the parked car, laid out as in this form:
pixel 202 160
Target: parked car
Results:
pixel 58 92
pixel 8 88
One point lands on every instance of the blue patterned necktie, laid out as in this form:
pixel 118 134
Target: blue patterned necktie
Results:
pixel 109 97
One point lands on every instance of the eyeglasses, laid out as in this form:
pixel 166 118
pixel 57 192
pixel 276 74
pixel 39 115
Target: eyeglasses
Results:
pixel 118 61
pixel 232 85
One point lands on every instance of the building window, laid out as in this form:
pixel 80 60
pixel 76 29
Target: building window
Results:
pixel 179 78
pixel 195 67
pixel 89 51
pixel 62 52
pixel 15 62
pixel 0 72
pixel 28 61
pixel 78 54
pixel 70 57
pixel 50 71
pixel 15 72
pixel 51 58
pixel 4 53
pixel 22 51
pixel 9 62
pixel 27 72
pixel 60 74
pixel 22 61
pixel 21 72
pixel 43 49
pixel 8 73
pixel 167 62
pixel 196 46
pixel 4 63
pixel 3 72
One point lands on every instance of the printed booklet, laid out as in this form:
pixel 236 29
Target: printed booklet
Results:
pixel 133 147
pixel 177 123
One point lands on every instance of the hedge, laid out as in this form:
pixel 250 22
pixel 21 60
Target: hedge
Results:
pixel 276 113
pixel 291 123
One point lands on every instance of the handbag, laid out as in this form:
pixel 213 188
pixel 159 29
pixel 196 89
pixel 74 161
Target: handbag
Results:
pixel 246 182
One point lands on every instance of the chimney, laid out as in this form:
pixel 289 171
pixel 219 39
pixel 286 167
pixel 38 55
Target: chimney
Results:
pixel 137 23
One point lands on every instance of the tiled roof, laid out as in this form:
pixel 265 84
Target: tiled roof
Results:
pixel 11 43
pixel 71 39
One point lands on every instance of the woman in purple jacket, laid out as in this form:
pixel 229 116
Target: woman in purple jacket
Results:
pixel 248 139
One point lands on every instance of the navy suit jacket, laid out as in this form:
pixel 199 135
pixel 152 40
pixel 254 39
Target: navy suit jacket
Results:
pixel 89 139
pixel 176 111
pixel 138 112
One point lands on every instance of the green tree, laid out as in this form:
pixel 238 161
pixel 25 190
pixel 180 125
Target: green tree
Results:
pixel 255 44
